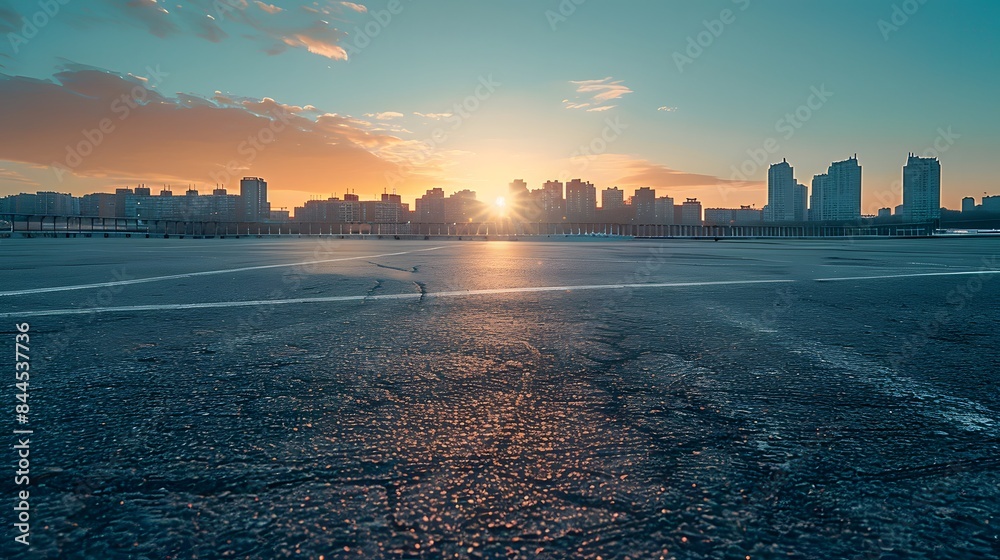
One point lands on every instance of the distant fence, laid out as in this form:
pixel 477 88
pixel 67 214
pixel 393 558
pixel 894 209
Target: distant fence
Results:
pixel 30 223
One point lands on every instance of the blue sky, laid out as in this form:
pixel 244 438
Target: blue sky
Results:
pixel 597 90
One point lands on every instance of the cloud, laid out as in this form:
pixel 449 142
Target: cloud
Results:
pixel 11 176
pixel 187 138
pixel 434 116
pixel 316 45
pixel 601 108
pixel 642 172
pixel 269 8
pixel 273 28
pixel 386 116
pixel 356 7
pixel 592 94
pixel 667 109
pixel 632 172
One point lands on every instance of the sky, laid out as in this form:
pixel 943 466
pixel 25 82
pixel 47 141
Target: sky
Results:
pixel 695 98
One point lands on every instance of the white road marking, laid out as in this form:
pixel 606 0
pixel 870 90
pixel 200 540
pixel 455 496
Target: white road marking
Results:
pixel 918 275
pixel 336 299
pixel 203 273
pixel 970 415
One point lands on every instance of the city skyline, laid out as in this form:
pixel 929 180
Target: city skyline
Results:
pixel 381 96
pixel 835 197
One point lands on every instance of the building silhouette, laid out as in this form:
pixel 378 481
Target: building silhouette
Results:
pixel 801 202
pixel 254 205
pixel 553 204
pixel 429 208
pixel 664 207
pixel 922 189
pixel 781 193
pixel 644 206
pixel 518 200
pixel 42 203
pixel 836 195
pixel 613 207
pixel 581 201
pixel 462 206
pixel 691 213
pixel 742 216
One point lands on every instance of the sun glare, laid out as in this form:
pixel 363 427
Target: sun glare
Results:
pixel 500 202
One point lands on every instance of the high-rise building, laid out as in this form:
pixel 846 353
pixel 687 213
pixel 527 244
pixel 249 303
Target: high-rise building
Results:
pixel 836 194
pixel 581 201
pixel 390 209
pixel 612 199
pixel 253 193
pixel 816 198
pixel 781 193
pixel 43 203
pixel 922 189
pixel 968 204
pixel 613 205
pixel 644 206
pixel 801 202
pixel 219 206
pixel 319 211
pixel 664 208
pixel 462 207
pixel 691 212
pixel 553 205
pixel 516 202
pixel 101 205
pixel 430 207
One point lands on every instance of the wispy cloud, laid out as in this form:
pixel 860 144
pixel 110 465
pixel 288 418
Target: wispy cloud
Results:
pixel 11 176
pixel 631 172
pixel 269 8
pixel 275 28
pixel 667 109
pixel 593 95
pixel 434 116
pixel 387 115
pixel 356 7
pixel 318 40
